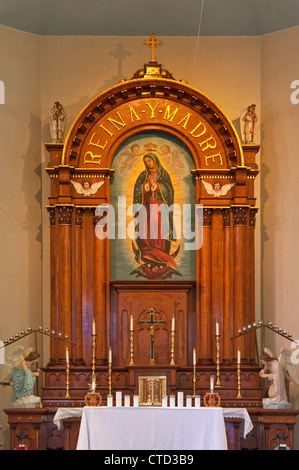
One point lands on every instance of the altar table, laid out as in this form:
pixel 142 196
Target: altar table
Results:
pixel 153 428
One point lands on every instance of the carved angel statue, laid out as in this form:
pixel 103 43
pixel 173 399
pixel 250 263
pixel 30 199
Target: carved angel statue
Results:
pixel 216 189
pixel 18 373
pixel 57 122
pixel 86 188
pixel 276 371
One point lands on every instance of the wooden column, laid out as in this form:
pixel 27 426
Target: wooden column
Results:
pixel 99 295
pixel 240 231
pixel 65 213
pixel 205 324
pixel 53 283
pixel 251 284
pixel 217 291
pixel 77 287
pixel 227 286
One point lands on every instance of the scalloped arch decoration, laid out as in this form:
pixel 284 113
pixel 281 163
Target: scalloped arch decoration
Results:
pixel 156 104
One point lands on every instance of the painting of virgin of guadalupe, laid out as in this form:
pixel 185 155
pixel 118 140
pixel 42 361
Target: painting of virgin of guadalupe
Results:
pixel 153 200
pixel 151 187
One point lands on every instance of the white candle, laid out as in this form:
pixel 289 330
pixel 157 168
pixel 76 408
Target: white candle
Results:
pixel 127 400
pixel 180 399
pixel 136 400
pixel 93 327
pixel 173 324
pixel 164 400
pixel 118 398
pixel 67 355
pixel 189 401
pixel 172 401
pixel 131 323
pixel 212 384
pixel 110 401
pixel 217 328
pixel 110 355
pixel 197 401
pixel 239 356
pixel 194 356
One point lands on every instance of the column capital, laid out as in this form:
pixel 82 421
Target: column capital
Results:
pixel 52 215
pixel 65 214
pixel 207 216
pixel 240 215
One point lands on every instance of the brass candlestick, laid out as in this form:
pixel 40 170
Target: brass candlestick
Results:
pixel 93 384
pixel 131 347
pixel 218 382
pixel 109 379
pixel 93 398
pixel 212 399
pixel 67 395
pixel 239 380
pixel 194 380
pixel 93 363
pixel 172 363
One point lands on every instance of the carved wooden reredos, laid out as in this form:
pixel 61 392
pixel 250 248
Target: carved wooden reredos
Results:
pixel 82 285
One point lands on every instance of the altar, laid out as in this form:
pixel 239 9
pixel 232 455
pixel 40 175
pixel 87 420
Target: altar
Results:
pixel 154 428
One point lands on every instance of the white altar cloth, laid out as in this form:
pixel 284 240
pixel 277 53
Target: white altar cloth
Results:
pixel 153 428
pixel 239 413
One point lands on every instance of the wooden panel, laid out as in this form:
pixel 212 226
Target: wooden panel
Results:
pixel 166 302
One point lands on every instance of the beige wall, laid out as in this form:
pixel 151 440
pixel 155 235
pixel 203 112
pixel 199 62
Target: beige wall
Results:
pixel 233 72
pixel 20 189
pixel 280 164
pixel 280 168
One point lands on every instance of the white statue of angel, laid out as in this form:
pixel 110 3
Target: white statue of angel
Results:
pixel 286 359
pixel 277 370
pixel 216 189
pixel 18 373
pixel 86 188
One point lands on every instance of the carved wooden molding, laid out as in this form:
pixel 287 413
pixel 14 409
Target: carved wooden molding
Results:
pixel 252 217
pixel 184 104
pixel 240 215
pixel 79 216
pixel 52 215
pixel 207 217
pixel 226 217
pixel 65 215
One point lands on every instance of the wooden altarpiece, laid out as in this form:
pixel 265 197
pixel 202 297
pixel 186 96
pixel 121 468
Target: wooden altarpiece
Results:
pixel 222 288
pixel 87 292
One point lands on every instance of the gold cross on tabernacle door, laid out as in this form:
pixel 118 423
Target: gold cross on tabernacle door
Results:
pixel 153 42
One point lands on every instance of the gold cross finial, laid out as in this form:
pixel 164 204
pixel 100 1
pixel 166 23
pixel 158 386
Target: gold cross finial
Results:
pixel 153 42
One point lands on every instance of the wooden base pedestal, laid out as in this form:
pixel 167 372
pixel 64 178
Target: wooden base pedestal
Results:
pixel 44 435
